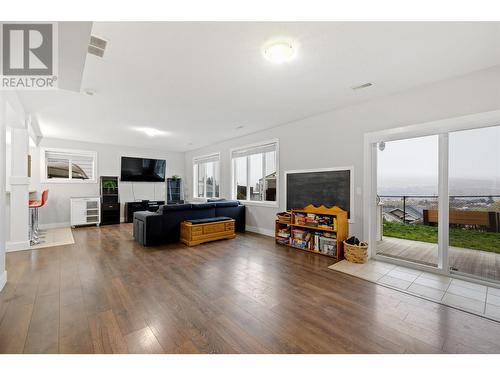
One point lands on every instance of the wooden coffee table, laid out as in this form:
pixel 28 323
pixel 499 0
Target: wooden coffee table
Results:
pixel 195 232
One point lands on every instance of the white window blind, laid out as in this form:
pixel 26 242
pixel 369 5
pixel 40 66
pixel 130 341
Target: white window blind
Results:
pixel 261 149
pixel 64 165
pixel 206 159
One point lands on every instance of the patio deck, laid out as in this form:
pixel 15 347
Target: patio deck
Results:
pixel 474 262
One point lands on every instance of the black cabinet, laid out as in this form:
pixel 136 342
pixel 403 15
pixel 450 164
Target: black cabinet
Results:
pixel 110 213
pixel 131 207
pixel 110 203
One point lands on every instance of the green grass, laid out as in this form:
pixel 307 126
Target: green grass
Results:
pixel 466 238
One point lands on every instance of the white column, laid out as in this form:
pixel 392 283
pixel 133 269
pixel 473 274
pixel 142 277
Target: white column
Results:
pixel 3 272
pixel 19 191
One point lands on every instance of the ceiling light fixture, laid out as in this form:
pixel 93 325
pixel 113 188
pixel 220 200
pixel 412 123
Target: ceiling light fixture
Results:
pixel 89 92
pixel 239 127
pixel 151 132
pixel 280 52
pixel 363 86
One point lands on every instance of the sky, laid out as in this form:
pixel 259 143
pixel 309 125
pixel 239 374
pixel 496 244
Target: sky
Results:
pixel 412 164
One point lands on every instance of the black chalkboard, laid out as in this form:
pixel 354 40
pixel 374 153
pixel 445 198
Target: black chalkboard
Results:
pixel 328 188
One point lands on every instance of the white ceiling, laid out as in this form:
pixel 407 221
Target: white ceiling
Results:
pixel 72 45
pixel 200 81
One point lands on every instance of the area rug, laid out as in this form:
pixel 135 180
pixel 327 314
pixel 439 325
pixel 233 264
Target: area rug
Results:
pixel 463 295
pixel 55 237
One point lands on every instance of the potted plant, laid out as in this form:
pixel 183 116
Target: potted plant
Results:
pixel 109 186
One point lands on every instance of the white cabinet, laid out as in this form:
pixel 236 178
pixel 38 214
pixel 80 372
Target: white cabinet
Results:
pixel 85 211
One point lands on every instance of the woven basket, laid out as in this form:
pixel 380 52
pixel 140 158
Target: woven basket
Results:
pixel 356 254
pixel 284 217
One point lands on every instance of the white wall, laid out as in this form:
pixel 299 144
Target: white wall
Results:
pixel 3 215
pixel 6 204
pixel 57 211
pixel 335 138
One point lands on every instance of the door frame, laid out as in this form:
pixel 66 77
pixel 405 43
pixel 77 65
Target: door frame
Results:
pixel 441 128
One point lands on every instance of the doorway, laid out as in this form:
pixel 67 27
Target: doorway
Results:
pixel 407 193
pixel 433 197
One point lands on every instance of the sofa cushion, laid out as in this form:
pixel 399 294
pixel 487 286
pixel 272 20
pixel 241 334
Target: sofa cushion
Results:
pixel 227 204
pixel 142 215
pixel 209 220
pixel 202 206
pixel 174 207
pixel 215 199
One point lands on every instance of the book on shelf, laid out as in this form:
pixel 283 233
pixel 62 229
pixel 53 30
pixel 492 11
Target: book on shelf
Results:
pixel 317 229
pixel 328 245
pixel 316 220
pixel 283 241
pixel 300 219
pixel 301 244
pixel 299 233
pixel 283 232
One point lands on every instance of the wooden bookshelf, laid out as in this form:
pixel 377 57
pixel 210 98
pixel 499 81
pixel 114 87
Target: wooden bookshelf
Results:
pixel 339 228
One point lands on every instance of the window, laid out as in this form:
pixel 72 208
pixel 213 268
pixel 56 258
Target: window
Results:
pixel 255 172
pixel 206 176
pixel 68 166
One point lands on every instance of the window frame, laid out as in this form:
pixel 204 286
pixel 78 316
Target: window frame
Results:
pixel 43 166
pixel 247 201
pixel 195 167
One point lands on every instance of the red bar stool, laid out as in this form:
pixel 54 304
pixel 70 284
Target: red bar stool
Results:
pixel 34 205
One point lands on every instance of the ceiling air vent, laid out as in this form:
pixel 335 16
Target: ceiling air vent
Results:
pixel 363 86
pixel 97 46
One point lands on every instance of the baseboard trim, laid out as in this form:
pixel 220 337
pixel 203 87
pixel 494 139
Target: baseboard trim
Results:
pixel 16 246
pixel 265 232
pixel 3 280
pixel 65 224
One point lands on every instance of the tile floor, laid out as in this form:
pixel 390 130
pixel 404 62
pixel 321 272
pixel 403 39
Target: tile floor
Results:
pixel 450 291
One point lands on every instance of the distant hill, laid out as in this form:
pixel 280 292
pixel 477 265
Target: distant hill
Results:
pixel 427 186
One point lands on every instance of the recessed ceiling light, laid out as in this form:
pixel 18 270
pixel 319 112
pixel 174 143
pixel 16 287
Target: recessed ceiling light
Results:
pixel 280 52
pixel 151 132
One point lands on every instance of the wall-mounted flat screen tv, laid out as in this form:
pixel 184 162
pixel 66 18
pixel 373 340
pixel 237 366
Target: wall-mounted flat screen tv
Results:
pixel 138 169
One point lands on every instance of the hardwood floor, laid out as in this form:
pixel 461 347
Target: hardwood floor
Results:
pixel 107 294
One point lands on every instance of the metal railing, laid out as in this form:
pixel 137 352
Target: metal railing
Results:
pixel 412 204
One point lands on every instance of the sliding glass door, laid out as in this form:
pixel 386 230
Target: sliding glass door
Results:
pixel 438 201
pixel 474 202
pixel 407 199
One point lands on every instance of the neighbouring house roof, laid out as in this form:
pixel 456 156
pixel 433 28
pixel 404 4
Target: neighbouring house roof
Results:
pixel 397 214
